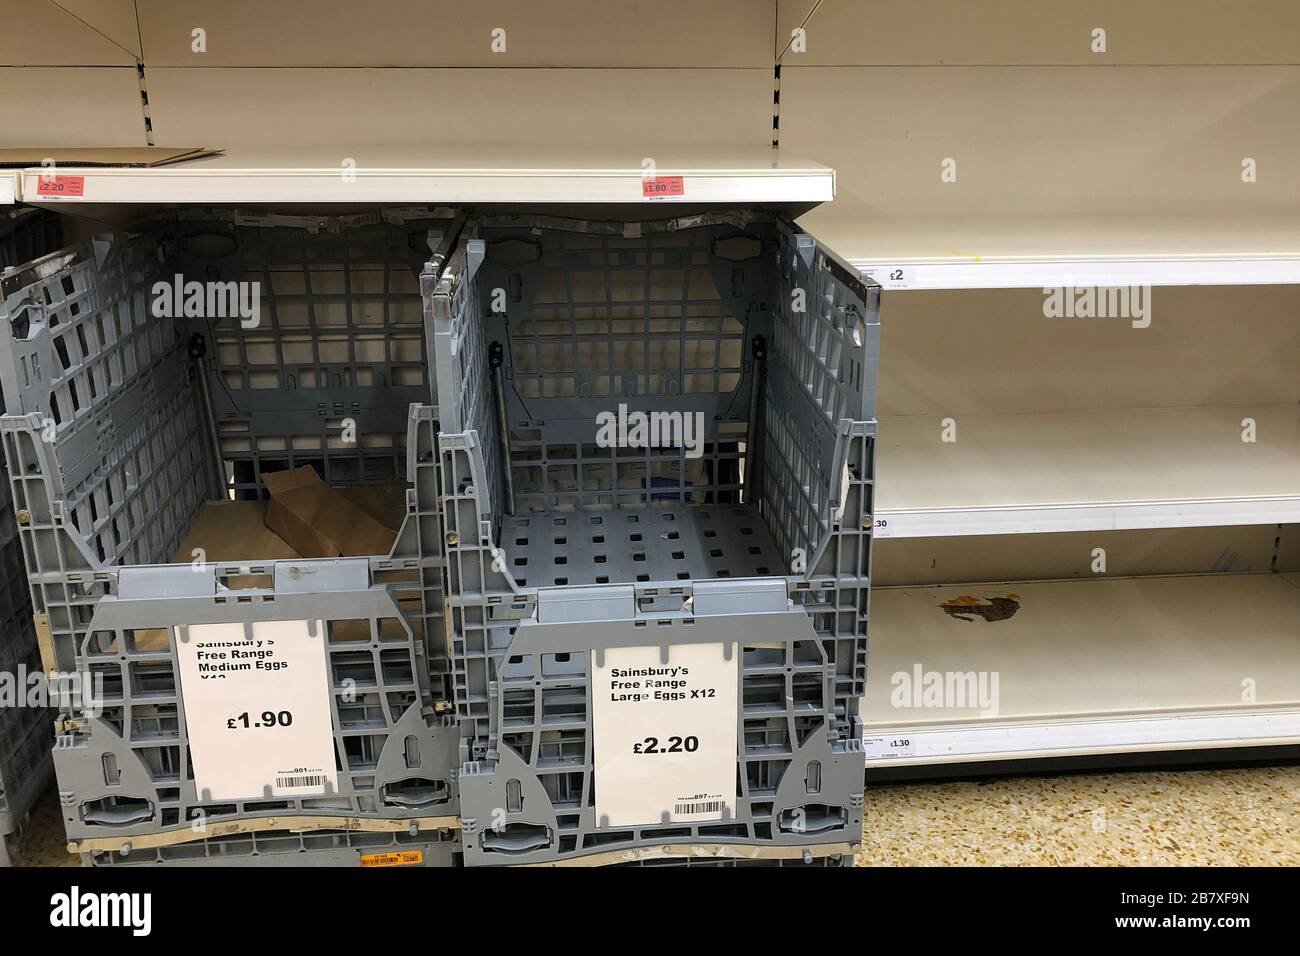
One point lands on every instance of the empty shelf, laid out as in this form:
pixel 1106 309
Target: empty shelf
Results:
pixel 978 176
pixel 1088 471
pixel 1083 667
pixel 1067 249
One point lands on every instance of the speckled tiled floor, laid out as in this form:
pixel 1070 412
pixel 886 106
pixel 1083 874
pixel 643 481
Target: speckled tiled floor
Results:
pixel 43 841
pixel 1226 817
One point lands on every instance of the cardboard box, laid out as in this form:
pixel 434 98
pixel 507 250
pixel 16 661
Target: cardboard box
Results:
pixel 319 522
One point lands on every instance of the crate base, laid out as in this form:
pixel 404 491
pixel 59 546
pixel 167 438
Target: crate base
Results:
pixel 335 848
pixel 625 545
pixel 711 854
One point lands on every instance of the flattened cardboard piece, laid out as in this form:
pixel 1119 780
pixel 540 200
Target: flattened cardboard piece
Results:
pixel 386 502
pixel 233 531
pixel 25 157
pixel 318 521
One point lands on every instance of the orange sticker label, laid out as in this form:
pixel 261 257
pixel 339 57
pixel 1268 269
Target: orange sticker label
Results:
pixel 662 186
pixel 401 858
pixel 61 185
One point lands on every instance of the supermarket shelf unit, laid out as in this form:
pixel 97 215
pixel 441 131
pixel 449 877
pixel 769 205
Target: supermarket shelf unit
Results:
pixel 1086 436
pixel 1070 472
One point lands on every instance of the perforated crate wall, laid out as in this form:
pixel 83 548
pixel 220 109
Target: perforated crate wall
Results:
pixel 338 341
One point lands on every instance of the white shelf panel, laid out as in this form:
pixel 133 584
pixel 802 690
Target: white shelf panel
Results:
pixel 1088 667
pixel 1224 269
pixel 8 187
pixel 413 175
pixel 965 744
pixel 1088 471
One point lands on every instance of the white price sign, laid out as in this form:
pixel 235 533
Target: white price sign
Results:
pixel 257 709
pixel 890 277
pixel 665 733
pixel 878 748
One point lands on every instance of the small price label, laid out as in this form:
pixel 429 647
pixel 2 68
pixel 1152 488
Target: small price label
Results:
pixel 61 186
pixel 396 858
pixel 882 528
pixel 885 747
pixel 890 277
pixel 662 187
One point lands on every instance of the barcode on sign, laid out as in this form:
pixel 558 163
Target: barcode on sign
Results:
pixel 311 780
pixel 699 806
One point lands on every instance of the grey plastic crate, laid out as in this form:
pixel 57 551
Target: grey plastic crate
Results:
pixel 26 732
pixel 559 550
pixel 333 848
pixel 133 406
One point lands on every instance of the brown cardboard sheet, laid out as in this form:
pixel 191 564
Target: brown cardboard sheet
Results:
pixel 23 157
pixel 318 521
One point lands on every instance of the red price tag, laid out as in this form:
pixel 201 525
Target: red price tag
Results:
pixel 61 186
pixel 662 186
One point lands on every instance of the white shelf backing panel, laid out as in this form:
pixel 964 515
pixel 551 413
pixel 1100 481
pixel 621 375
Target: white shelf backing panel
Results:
pixel 409 33
pixel 646 110
pixel 97 33
pixel 1088 471
pixel 959 33
pixel 972 176
pixel 70 106
pixel 1098 666
pixel 408 174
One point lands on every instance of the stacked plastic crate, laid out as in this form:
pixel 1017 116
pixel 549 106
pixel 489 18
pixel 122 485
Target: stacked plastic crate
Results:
pixel 26 728
pixel 656 442
pixel 129 414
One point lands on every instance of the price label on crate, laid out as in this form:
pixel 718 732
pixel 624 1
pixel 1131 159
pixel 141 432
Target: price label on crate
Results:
pixel 395 858
pixel 665 733
pixel 56 187
pixel 257 709
pixel 884 747
pixel 663 187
